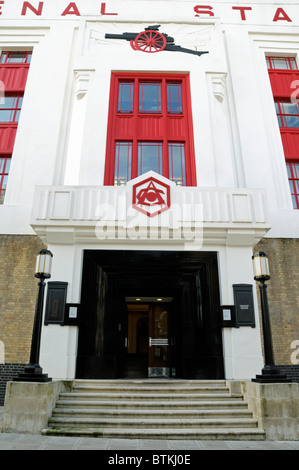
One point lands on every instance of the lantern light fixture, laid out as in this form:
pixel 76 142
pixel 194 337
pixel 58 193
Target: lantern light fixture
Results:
pixel 261 266
pixel 43 264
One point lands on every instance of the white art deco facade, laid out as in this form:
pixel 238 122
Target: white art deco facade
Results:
pixel 151 172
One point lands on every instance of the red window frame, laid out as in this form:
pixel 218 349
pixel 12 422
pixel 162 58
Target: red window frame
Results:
pixel 293 175
pixel 290 63
pixel 14 66
pixel 4 171
pixel 287 119
pixel 128 124
pixel 11 107
pixel 281 78
pixel 15 57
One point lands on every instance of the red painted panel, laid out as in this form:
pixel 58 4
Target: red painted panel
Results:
pixel 283 82
pixel 176 128
pixel 290 142
pixel 150 127
pixel 7 138
pixel 124 127
pixel 14 78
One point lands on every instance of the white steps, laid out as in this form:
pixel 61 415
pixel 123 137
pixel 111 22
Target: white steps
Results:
pixel 164 409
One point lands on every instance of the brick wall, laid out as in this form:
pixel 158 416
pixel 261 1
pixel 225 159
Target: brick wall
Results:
pixel 18 292
pixel 7 373
pixel 283 295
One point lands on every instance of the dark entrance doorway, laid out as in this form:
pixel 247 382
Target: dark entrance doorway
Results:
pixel 149 340
pixel 190 344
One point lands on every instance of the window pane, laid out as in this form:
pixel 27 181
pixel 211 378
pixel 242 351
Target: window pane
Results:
pixel 10 108
pixel 4 184
pixel 125 97
pixel 7 166
pixel 123 159
pixel 177 172
pixel 287 114
pixel 281 63
pixel 291 121
pixel 13 57
pixel 149 157
pixel 289 108
pixel 4 170
pixel 149 97
pixel 293 173
pixel 8 102
pixel 292 189
pixel 3 57
pixel 295 203
pixel 6 116
pixel 174 98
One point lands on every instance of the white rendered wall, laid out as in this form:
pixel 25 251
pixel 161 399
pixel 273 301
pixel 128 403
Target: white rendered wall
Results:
pixel 61 138
pixel 58 351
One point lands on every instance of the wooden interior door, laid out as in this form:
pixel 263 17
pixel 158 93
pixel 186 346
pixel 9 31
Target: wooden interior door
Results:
pixel 159 340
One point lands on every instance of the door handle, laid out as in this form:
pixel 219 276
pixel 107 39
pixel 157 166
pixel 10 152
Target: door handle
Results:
pixel 158 342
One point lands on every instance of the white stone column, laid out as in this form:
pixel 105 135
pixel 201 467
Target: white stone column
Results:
pixel 59 343
pixel 241 346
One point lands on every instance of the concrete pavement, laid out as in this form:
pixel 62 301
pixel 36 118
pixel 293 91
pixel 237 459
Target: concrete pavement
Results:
pixel 14 441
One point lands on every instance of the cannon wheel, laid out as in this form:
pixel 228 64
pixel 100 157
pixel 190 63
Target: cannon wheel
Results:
pixel 150 41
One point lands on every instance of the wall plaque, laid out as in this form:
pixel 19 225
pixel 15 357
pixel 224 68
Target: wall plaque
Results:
pixel 55 304
pixel 244 308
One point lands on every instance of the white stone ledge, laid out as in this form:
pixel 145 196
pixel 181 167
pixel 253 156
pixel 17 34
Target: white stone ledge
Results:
pixel 226 216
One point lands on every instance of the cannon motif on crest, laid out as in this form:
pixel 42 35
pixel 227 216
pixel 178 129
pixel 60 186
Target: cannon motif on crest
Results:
pixel 152 40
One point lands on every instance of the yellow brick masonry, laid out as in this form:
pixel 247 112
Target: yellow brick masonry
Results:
pixel 18 291
pixel 283 294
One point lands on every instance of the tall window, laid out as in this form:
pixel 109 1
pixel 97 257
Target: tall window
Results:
pixel 283 71
pixel 10 108
pixel 150 128
pixel 4 170
pixel 14 67
pixel 293 174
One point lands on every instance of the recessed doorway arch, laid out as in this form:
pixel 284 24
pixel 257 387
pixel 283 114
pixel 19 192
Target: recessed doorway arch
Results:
pixel 112 278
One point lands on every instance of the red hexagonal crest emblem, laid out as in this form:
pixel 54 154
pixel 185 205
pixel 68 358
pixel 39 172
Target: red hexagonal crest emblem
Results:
pixel 151 196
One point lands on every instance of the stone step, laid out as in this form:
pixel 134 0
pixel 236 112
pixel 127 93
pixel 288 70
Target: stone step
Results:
pixel 141 389
pixel 162 409
pixel 147 423
pixel 166 433
pixel 146 413
pixel 145 396
pixel 148 382
pixel 169 404
pixel 152 387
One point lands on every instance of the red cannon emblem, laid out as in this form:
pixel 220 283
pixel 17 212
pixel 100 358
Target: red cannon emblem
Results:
pixel 151 40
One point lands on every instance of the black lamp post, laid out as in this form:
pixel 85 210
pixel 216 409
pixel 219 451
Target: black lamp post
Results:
pixel 33 371
pixel 270 372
